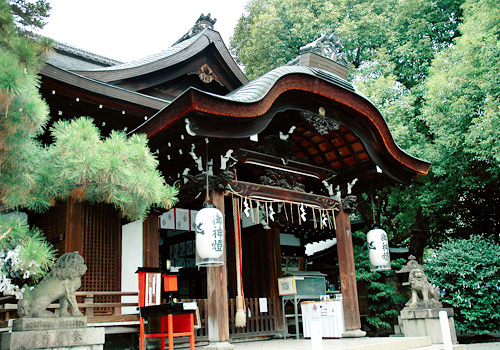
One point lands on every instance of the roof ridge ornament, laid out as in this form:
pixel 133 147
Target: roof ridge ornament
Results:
pixel 203 22
pixel 327 45
pixel 206 21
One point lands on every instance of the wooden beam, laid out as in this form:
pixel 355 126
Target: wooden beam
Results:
pixel 264 192
pixel 292 166
pixel 347 271
pixel 274 249
pixel 217 303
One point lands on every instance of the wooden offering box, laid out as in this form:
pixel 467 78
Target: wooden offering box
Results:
pixel 175 321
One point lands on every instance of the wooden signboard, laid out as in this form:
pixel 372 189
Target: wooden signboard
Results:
pixel 153 289
pixel 287 286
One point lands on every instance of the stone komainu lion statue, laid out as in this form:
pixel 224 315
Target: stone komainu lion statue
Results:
pixel 60 284
pixel 421 289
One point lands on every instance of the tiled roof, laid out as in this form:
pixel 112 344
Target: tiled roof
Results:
pixel 71 57
pixel 85 54
pixel 154 57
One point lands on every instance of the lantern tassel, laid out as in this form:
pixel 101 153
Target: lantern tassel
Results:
pixel 241 317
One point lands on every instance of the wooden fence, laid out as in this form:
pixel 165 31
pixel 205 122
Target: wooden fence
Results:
pixel 99 307
pixel 259 324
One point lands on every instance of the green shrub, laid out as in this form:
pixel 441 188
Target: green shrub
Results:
pixel 384 301
pixel 468 270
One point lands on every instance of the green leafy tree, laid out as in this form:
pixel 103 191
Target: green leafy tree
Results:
pixel 270 32
pixel 468 270
pixel 25 255
pixel 463 92
pixel 462 95
pixel 418 30
pixel 442 119
pixel 403 210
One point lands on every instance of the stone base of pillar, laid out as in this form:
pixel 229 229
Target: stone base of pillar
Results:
pixel 223 345
pixel 353 333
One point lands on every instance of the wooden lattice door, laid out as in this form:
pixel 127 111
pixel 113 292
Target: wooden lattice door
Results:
pixel 101 247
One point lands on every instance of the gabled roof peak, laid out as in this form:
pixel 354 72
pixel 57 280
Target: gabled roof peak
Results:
pixel 202 23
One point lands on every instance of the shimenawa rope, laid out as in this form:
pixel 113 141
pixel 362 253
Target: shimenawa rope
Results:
pixel 240 318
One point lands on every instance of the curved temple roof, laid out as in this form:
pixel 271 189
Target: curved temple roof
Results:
pixel 167 58
pixel 250 109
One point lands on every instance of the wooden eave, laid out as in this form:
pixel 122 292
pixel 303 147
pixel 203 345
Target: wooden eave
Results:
pixel 252 108
pixel 101 88
pixel 168 58
pixel 112 108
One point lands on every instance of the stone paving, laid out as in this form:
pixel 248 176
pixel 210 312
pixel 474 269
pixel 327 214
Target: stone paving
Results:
pixel 484 346
pixel 391 343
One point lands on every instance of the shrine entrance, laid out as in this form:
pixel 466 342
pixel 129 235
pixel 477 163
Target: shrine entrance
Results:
pixel 297 145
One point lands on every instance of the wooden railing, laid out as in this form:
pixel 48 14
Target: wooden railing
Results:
pixel 258 324
pixel 8 310
pixel 99 309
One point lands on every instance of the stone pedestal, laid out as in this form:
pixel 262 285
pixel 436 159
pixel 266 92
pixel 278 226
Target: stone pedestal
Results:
pixel 425 323
pixel 40 324
pixel 223 345
pixel 61 333
pixel 353 333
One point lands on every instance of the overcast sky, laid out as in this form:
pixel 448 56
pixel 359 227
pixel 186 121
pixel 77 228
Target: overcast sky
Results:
pixel 130 29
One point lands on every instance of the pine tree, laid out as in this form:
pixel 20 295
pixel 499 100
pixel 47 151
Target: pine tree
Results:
pixel 22 110
pixel 119 170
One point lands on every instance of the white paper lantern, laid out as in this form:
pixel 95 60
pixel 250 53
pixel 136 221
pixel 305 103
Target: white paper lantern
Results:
pixel 378 248
pixel 209 236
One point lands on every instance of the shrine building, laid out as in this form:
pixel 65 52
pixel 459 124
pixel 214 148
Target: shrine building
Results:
pixel 286 155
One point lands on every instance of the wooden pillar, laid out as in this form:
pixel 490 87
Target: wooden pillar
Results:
pixel 217 303
pixel 150 242
pixel 348 275
pixel 274 249
pixel 74 226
